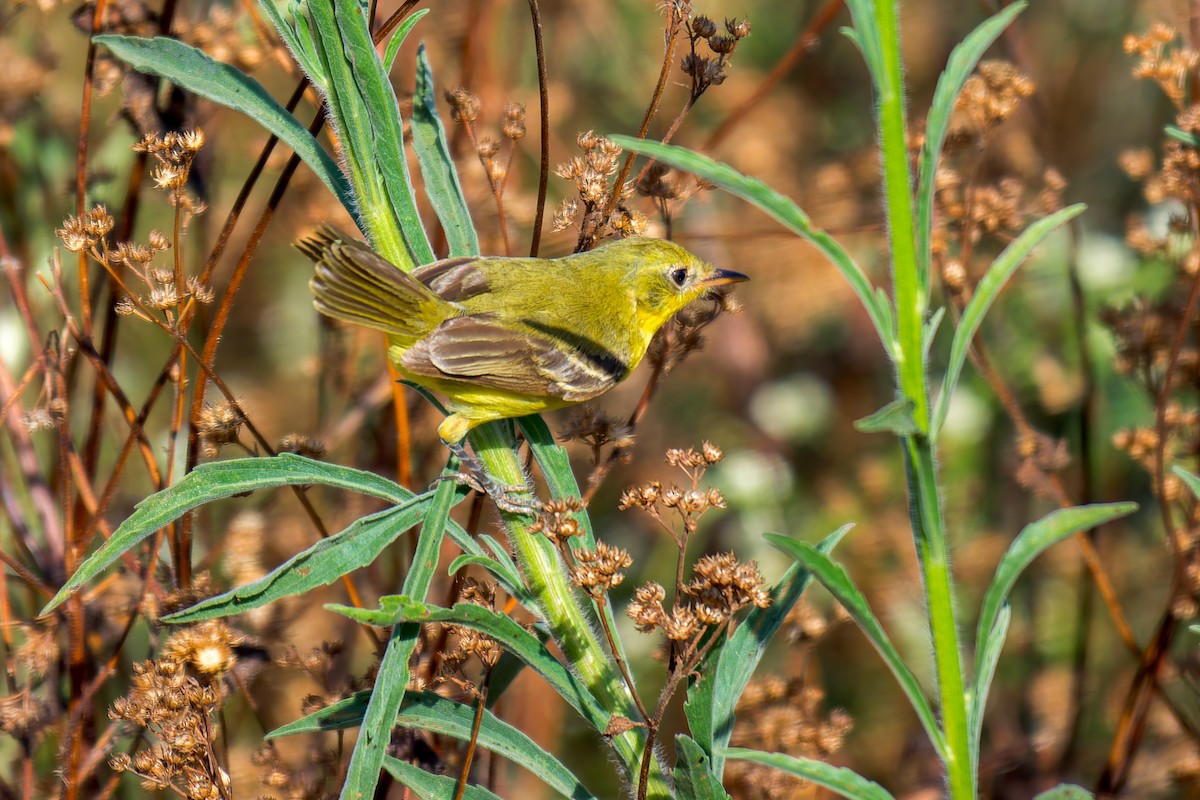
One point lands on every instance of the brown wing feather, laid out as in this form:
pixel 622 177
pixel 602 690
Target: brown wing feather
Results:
pixel 454 279
pixel 477 350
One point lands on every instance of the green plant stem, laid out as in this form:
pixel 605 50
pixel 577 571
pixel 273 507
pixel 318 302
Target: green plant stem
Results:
pixel 934 552
pixel 560 609
pixel 928 526
pixel 908 354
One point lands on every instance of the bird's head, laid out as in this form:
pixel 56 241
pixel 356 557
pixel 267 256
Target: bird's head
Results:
pixel 665 277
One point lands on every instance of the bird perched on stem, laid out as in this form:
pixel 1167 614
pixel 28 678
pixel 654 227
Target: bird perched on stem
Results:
pixel 506 337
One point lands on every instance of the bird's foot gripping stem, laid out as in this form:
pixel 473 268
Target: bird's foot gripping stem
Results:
pixel 474 476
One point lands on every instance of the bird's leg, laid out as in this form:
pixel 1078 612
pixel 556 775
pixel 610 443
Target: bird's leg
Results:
pixel 474 476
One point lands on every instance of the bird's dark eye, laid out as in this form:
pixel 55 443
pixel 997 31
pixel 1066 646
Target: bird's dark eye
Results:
pixel 679 276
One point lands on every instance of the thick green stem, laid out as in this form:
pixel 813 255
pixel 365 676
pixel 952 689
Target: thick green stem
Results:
pixel 929 531
pixel 934 552
pixel 560 608
pixel 897 182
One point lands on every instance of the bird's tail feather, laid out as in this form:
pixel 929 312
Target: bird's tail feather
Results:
pixel 354 284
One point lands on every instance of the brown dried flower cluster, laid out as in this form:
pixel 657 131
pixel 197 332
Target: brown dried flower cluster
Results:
pixel 688 504
pixel 175 698
pixel 988 98
pixel 1167 65
pixel 469 643
pixel 710 70
pixel 596 571
pixel 167 290
pixel 219 424
pixel 559 521
pixel 592 174
pixel 596 429
pixel 782 716
pixel 722 586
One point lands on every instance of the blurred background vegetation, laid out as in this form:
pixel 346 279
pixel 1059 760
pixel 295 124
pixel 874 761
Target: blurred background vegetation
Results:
pixel 777 386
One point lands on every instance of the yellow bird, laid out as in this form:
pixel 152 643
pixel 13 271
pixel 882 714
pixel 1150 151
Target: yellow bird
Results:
pixel 505 337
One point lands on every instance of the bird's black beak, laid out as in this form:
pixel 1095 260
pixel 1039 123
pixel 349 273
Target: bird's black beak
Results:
pixel 724 276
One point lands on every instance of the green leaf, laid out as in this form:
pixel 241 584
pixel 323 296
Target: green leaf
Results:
pixel 431 712
pixel 506 631
pixel 214 481
pixel 398 37
pixel 1191 480
pixel 836 779
pixel 193 70
pixel 1180 135
pixel 694 776
pixel 364 111
pixel 1065 792
pixel 987 656
pixel 299 45
pixel 712 699
pixel 358 545
pixel 1033 539
pixel 429 786
pixel 362 774
pixel 961 63
pixel 775 205
pixel 437 167
pixel 985 294
pixel 896 417
pixel 833 576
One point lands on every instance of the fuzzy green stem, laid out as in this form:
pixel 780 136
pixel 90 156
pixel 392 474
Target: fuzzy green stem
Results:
pixel 925 502
pixel 934 555
pixel 560 608
pixel 908 355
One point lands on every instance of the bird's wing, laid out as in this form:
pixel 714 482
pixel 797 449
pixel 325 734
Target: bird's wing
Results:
pixel 544 363
pixel 454 279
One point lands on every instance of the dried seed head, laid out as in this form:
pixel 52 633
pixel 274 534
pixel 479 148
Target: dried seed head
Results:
pixel 703 27
pixel 219 425
pixel 464 106
pixel 646 610
pixel 557 521
pixel 514 121
pixel 599 570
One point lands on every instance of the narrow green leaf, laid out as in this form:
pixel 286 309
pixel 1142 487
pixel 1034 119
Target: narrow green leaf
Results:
pixel 213 481
pixel 431 712
pixel 1065 792
pixel 195 71
pixel 833 576
pixel 896 417
pixel 358 545
pixel 931 328
pixel 351 118
pixel 437 167
pixel 961 63
pixel 1191 480
pixel 694 776
pixel 840 780
pixel 1180 135
pixel 381 125
pixel 712 699
pixel 299 45
pixel 362 774
pixel 398 37
pixel 429 786
pixel 1033 539
pixel 985 294
pixel 510 635
pixel 987 656
pixel 774 204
